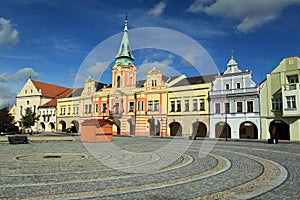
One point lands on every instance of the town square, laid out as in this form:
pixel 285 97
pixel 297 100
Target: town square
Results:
pixel 149 100
pixel 69 170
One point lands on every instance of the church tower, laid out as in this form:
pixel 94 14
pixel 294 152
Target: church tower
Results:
pixel 124 71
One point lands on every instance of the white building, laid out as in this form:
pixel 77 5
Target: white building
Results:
pixel 234 105
pixel 41 98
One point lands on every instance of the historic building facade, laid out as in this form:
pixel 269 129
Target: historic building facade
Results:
pixel 226 105
pixel 188 107
pixel 157 106
pixel 41 98
pixel 234 105
pixel 280 100
pixel 78 106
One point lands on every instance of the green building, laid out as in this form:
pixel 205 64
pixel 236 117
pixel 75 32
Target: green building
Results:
pixel 280 101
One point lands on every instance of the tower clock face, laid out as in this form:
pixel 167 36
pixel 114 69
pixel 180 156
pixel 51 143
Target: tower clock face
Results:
pixel 119 68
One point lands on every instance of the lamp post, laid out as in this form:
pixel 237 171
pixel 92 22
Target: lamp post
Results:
pixel 226 127
pixel 161 124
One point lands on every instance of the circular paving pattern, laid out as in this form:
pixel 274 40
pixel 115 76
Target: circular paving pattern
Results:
pixel 232 170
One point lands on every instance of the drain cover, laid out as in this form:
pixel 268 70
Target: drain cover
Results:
pixel 51 157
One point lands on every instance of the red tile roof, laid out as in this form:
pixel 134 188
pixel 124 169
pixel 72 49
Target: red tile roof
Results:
pixel 53 102
pixel 49 90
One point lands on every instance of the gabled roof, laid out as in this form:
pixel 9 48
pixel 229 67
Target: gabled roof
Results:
pixel 53 102
pixel 168 79
pixel 99 86
pixel 140 83
pixel 196 80
pixel 76 92
pixel 49 90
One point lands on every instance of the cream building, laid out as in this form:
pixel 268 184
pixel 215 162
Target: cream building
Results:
pixel 280 100
pixel 35 95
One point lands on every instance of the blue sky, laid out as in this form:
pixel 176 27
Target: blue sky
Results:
pixel 49 40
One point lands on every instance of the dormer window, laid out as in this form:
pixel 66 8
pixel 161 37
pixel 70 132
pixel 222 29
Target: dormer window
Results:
pixel 154 83
pixel 25 91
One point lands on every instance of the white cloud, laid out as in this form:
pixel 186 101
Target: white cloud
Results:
pixel 163 66
pixel 158 9
pixel 7 97
pixel 97 69
pixel 251 14
pixel 21 74
pixel 8 34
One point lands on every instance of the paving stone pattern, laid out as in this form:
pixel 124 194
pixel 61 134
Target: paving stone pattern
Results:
pixel 70 170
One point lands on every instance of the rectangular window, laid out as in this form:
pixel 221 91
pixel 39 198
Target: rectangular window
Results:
pixel 154 83
pixel 238 85
pixel 90 108
pixel 292 82
pixel 187 105
pixel 291 102
pixel 195 104
pixel 172 106
pixel 96 108
pixel 178 106
pixel 116 108
pixel 142 105
pixel 217 108
pixel 61 111
pixel 104 108
pixel 131 106
pixel 249 106
pixel 239 107
pixel 139 105
pixel 276 104
pixel 227 107
pixel 69 110
pixel 202 105
pixel 227 86
pixel 150 105
pixel 21 110
pixel 156 105
pixel 77 110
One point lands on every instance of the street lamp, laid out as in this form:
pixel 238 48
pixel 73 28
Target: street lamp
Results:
pixel 161 124
pixel 226 127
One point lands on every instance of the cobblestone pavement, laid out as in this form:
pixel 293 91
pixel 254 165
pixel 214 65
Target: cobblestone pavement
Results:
pixel 149 168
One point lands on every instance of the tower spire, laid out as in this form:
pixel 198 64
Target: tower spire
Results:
pixel 126 23
pixel 232 66
pixel 124 55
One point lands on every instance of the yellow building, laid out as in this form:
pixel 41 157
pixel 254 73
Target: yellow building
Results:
pixel 188 106
pixel 78 106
